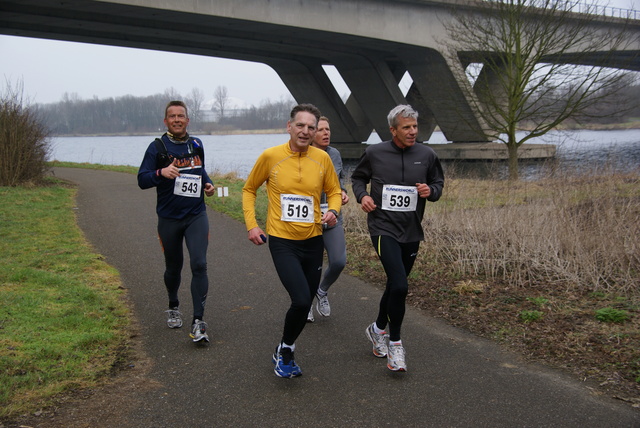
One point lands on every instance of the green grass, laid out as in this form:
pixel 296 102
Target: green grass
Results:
pixel 530 316
pixel 62 321
pixel 117 168
pixel 538 301
pixel 232 205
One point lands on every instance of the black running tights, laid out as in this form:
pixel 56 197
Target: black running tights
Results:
pixel 397 259
pixel 194 230
pixel 299 266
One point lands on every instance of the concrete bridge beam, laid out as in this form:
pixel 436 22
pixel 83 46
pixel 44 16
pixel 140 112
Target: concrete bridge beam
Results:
pixel 374 87
pixel 444 90
pixel 308 82
pixel 426 119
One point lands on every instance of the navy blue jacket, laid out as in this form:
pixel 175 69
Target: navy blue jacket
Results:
pixel 168 204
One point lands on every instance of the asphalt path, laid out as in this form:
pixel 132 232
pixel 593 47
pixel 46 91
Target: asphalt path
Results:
pixel 454 379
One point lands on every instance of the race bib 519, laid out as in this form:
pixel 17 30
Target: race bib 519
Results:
pixel 296 208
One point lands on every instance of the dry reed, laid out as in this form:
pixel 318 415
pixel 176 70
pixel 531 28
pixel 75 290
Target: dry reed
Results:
pixel 574 232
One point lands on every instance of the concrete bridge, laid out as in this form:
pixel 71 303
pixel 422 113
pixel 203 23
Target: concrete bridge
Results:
pixel 372 43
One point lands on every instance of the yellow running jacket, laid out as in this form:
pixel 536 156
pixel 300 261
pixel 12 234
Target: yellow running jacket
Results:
pixel 306 174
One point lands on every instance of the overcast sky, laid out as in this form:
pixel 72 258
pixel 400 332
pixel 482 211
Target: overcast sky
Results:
pixel 48 69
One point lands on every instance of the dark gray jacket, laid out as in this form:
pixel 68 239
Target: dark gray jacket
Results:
pixel 386 163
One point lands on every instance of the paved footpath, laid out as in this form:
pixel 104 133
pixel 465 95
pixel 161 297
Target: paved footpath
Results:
pixel 454 380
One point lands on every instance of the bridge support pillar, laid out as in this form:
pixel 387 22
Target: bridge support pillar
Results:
pixel 308 83
pixel 373 85
pixel 441 90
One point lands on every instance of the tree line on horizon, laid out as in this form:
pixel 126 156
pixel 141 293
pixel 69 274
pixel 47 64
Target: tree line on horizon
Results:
pixel 129 114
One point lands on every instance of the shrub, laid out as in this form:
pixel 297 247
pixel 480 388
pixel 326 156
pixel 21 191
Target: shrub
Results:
pixel 538 301
pixel 612 315
pixel 24 144
pixel 530 316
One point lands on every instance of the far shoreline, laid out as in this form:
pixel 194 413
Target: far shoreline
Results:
pixel 195 133
pixel 591 127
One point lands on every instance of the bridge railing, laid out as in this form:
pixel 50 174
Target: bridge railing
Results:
pixel 610 11
pixel 590 8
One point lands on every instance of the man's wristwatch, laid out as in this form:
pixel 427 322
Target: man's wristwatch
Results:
pixel 335 213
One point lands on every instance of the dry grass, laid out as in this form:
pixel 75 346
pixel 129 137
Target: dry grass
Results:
pixel 579 233
pixel 529 264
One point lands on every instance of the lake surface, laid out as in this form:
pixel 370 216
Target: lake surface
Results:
pixel 584 150
pixel 223 153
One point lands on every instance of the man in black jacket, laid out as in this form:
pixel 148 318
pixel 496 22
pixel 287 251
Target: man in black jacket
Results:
pixel 403 176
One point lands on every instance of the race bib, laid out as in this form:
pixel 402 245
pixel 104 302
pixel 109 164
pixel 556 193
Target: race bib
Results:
pixel 188 185
pixel 296 208
pixel 399 198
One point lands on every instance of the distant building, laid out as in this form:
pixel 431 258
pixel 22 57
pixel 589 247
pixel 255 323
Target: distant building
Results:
pixel 234 106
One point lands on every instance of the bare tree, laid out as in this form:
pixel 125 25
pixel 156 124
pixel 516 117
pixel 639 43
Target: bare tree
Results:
pixel 194 100
pixel 221 102
pixel 539 63
pixel 172 94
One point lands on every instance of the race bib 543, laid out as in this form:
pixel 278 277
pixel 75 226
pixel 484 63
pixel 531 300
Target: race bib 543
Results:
pixel 188 185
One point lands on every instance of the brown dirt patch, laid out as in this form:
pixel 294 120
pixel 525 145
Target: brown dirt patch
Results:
pixel 558 329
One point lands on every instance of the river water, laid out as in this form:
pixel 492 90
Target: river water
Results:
pixel 579 150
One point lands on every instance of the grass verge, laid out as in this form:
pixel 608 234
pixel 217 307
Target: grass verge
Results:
pixel 62 321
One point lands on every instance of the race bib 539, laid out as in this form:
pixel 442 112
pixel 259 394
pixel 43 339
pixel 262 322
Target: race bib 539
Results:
pixel 399 198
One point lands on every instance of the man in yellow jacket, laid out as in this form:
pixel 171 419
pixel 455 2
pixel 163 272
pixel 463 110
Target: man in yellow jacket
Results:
pixel 296 175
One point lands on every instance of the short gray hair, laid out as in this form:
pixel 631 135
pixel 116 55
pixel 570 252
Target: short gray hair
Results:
pixel 309 108
pixel 403 110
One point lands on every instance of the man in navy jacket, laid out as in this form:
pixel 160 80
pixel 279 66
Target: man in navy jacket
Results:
pixel 174 165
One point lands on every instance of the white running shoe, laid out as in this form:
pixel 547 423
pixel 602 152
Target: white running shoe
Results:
pixel 174 318
pixel 379 341
pixel 310 317
pixel 395 358
pixel 322 305
pixel 199 331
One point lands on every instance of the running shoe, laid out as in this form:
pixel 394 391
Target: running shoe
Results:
pixel 174 318
pixel 322 305
pixel 395 358
pixel 199 331
pixel 285 365
pixel 379 341
pixel 310 317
